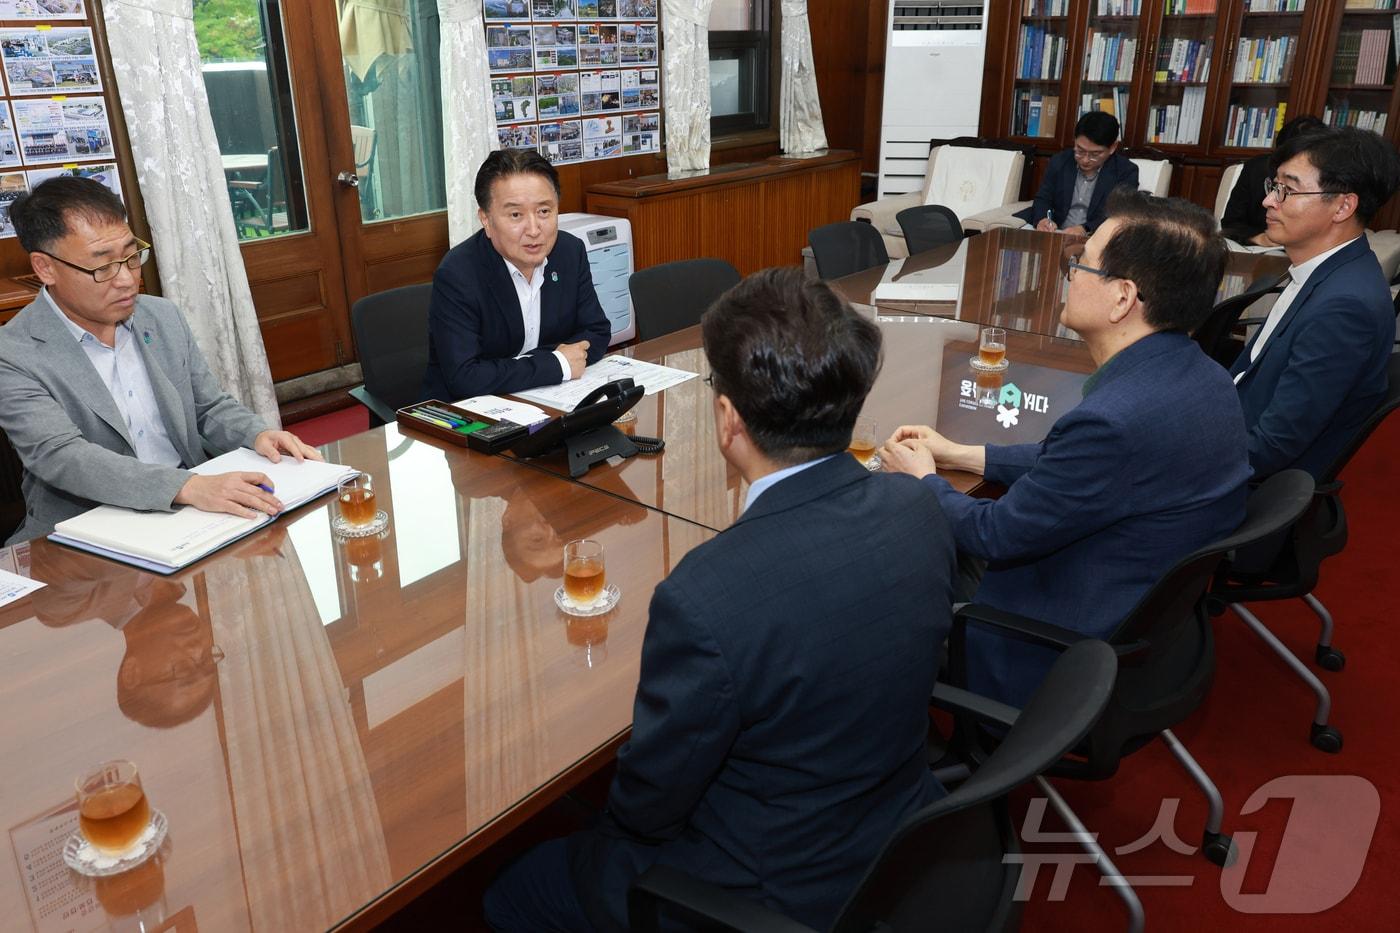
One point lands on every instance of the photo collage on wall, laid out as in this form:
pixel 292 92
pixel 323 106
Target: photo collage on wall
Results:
pixel 575 79
pixel 53 116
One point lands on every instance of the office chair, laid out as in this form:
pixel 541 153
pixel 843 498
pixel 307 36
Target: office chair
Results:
pixel 927 226
pixel 673 295
pixel 1215 333
pixel 1294 571
pixel 845 248
pixel 391 334
pixel 11 491
pixel 1166 654
pixel 946 861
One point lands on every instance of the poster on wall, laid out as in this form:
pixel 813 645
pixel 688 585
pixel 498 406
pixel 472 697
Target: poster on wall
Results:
pixel 557 94
pixel 513 98
pixel 519 136
pixel 518 10
pixel 555 9
pixel 641 89
pixel 42 9
pixel 9 144
pixel 104 174
pixel 508 48
pixel 562 142
pixel 600 91
pixel 47 60
pixel 12 185
pixel 62 129
pixel 641 132
pixel 556 46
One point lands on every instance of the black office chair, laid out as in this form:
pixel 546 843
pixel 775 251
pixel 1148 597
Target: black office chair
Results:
pixel 845 248
pixel 927 226
pixel 673 295
pixel 1166 655
pixel 946 861
pixel 11 492
pixel 391 334
pixel 1293 573
pixel 1215 333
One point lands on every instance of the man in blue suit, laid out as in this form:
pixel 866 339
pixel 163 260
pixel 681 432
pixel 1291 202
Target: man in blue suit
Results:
pixel 779 726
pixel 1316 368
pixel 1148 467
pixel 513 306
pixel 1078 181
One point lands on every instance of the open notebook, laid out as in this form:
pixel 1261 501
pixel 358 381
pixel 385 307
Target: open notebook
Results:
pixel 166 541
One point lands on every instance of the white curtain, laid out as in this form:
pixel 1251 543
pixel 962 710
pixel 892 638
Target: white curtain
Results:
pixel 685 26
pixel 468 119
pixel 800 114
pixel 181 177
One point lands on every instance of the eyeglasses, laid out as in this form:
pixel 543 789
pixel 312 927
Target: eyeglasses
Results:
pixel 1281 192
pixel 108 271
pixel 1069 263
pixel 1088 156
pixel 709 380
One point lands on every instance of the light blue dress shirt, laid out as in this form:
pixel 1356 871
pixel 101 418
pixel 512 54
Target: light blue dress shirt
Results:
pixel 772 479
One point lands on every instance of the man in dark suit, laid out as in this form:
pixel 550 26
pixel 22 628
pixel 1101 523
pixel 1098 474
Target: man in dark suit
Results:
pixel 513 306
pixel 1316 368
pixel 1148 467
pixel 1243 220
pixel 779 726
pixel 1078 181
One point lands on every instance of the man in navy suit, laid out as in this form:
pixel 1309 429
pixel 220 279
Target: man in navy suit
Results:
pixel 1078 181
pixel 513 306
pixel 1147 468
pixel 779 727
pixel 1316 369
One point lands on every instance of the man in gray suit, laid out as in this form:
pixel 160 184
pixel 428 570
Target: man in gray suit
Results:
pixel 106 397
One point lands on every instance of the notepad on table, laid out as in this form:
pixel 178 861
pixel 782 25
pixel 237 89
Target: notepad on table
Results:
pixel 166 541
pixel 923 277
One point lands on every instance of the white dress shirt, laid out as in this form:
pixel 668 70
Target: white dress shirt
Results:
pixel 528 291
pixel 763 483
pixel 122 369
pixel 1298 278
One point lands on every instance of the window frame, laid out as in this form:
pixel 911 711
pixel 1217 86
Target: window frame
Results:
pixel 762 45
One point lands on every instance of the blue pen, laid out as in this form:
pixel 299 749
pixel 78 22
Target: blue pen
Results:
pixel 265 487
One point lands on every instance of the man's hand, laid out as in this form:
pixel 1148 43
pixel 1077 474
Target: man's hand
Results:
pixel 951 455
pixel 577 355
pixel 272 444
pixel 912 456
pixel 1076 230
pixel 241 494
pixel 1046 225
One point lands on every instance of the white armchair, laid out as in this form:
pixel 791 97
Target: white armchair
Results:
pixel 1154 176
pixel 1228 178
pixel 964 179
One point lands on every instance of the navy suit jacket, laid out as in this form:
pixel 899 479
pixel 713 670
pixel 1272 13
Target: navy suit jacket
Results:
pixel 778 733
pixel 1149 467
pixel 475 327
pixel 1057 189
pixel 1322 372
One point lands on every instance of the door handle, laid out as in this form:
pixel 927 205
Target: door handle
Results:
pixel 348 180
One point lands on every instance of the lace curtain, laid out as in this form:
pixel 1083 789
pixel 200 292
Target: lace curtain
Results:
pixel 800 113
pixel 468 119
pixel 182 182
pixel 685 28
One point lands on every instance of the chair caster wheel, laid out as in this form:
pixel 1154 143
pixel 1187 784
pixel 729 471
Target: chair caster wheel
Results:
pixel 1219 849
pixel 1327 739
pixel 1329 658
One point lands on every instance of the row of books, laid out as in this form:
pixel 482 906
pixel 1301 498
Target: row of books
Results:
pixel 1045 8
pixel 1042 53
pixel 1361 57
pixel 1114 102
pixel 1275 6
pixel 1190 7
pixel 1371 4
pixel 1254 127
pixel 1034 114
pixel 1178 123
pixel 1265 60
pixel 1343 115
pixel 1119 7
pixel 1183 60
pixel 1110 57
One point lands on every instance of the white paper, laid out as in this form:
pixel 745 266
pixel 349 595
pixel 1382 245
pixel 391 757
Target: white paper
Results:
pixel 13 587
pixel 292 482
pixel 495 408
pixel 650 376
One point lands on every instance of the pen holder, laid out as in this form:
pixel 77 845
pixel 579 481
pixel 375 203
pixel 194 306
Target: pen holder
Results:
pixel 419 417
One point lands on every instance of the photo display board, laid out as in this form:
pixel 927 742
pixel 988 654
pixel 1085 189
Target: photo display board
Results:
pixel 576 80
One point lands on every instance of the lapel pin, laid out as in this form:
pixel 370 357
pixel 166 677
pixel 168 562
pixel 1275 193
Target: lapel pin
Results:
pixel 146 335
pixel 554 276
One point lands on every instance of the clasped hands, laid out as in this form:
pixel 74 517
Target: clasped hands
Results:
pixel 918 450
pixel 242 493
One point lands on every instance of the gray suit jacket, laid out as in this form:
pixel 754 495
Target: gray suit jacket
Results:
pixel 69 433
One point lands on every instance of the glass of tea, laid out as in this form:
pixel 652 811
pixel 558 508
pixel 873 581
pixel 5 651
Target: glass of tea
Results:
pixel 992 350
pixel 864 440
pixel 112 808
pixel 354 497
pixel 584 572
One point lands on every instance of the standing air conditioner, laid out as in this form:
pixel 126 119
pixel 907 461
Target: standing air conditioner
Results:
pixel 933 83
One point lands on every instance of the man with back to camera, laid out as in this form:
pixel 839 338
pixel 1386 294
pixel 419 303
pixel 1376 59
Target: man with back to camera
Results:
pixel 1078 180
pixel 1147 468
pixel 1243 220
pixel 107 398
pixel 513 306
pixel 779 724
pixel 1316 369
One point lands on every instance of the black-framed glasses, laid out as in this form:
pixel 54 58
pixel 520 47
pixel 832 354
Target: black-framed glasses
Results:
pixel 709 380
pixel 1282 192
pixel 108 271
pixel 1069 263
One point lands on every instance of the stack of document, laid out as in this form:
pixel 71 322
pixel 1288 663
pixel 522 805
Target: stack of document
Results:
pixel 927 276
pixel 166 541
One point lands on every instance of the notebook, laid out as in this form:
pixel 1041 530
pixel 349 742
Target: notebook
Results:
pixel 164 542
pixel 921 278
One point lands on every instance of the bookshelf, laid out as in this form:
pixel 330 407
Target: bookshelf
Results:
pixel 1182 67
pixel 1111 53
pixel 1363 53
pixel 1262 57
pixel 1039 69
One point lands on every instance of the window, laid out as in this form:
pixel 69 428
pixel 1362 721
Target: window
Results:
pixel 741 84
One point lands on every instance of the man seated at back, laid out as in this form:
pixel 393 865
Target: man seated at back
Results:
pixel 1078 181
pixel 1316 369
pixel 779 725
pixel 104 394
pixel 513 306
pixel 1243 220
pixel 1147 468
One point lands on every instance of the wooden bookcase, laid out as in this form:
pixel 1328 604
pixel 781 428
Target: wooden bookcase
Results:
pixel 1206 81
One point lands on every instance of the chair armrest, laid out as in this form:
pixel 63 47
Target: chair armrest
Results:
pixel 377 408
pixel 691 900
pixel 957 700
pixel 997 217
pixel 1022 628
pixel 881 214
